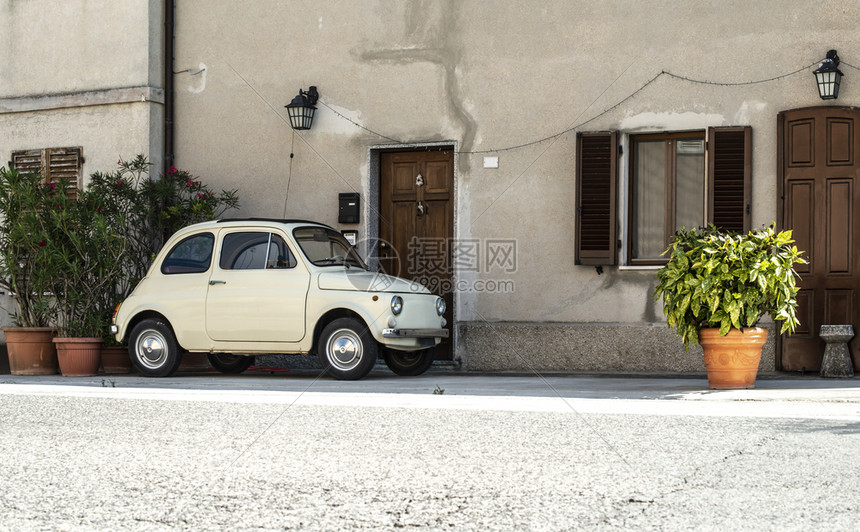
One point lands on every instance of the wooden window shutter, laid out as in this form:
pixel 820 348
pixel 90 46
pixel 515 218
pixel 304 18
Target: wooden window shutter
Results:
pixel 28 162
pixel 596 181
pixel 53 164
pixel 729 178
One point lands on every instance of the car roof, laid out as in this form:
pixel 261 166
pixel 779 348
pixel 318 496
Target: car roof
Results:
pixel 250 222
pixel 272 220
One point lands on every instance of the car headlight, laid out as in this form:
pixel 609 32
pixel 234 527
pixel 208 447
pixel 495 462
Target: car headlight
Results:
pixel 440 306
pixel 396 305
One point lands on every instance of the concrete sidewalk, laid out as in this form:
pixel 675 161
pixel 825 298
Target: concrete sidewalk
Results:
pixel 440 382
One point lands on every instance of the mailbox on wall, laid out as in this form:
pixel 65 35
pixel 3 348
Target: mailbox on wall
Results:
pixel 348 207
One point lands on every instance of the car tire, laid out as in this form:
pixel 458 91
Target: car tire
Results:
pixel 347 350
pixel 153 349
pixel 409 363
pixel 232 364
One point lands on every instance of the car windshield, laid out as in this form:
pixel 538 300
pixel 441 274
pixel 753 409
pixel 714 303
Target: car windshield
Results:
pixel 326 247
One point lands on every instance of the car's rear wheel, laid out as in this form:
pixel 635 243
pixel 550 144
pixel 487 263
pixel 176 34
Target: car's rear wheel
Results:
pixel 233 364
pixel 153 348
pixel 409 363
pixel 347 350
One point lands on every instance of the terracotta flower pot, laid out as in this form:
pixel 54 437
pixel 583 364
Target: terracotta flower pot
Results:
pixel 79 357
pixel 732 360
pixel 115 360
pixel 31 350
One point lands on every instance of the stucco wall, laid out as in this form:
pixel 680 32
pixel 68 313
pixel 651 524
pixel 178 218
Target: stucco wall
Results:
pixel 496 78
pixel 78 45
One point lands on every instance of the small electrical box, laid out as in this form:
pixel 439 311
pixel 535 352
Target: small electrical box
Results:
pixel 348 207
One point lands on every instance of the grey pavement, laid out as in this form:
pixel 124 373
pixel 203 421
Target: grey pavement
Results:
pixel 443 451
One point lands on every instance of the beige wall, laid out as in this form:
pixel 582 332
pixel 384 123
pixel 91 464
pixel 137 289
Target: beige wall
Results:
pixel 51 47
pixel 491 75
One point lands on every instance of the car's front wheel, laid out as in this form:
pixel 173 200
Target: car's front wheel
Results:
pixel 347 350
pixel 409 363
pixel 153 348
pixel 233 364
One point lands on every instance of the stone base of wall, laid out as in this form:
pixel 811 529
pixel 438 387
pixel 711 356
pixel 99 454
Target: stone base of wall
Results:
pixel 584 347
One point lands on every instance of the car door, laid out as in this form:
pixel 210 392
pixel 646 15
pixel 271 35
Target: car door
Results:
pixel 257 290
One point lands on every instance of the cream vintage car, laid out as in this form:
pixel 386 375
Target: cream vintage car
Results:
pixel 235 288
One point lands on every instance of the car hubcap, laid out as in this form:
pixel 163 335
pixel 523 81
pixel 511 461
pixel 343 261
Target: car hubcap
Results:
pixel 151 351
pixel 344 349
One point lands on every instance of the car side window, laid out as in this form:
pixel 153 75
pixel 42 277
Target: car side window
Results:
pixel 192 255
pixel 255 251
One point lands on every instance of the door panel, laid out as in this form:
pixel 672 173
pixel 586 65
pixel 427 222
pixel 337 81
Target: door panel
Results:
pixel 257 291
pixel 840 142
pixel 819 197
pixel 417 222
pixel 800 211
pixel 838 244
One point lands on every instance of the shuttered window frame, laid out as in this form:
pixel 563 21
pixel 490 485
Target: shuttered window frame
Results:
pixel 53 165
pixel 729 189
pixel 596 194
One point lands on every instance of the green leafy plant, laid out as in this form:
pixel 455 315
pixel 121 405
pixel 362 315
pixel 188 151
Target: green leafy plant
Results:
pixel 84 242
pixel 723 280
pixel 23 246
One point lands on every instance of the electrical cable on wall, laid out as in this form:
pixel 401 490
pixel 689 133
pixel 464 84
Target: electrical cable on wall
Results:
pixel 604 112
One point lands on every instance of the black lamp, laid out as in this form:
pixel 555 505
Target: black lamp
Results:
pixel 828 76
pixel 301 109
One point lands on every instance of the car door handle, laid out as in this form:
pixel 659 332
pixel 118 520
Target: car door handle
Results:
pixel 217 282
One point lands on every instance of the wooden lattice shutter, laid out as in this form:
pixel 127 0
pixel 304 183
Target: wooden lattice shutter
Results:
pixel 596 178
pixel 53 164
pixel 729 178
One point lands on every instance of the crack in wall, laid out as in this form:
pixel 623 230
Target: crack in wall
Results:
pixel 437 43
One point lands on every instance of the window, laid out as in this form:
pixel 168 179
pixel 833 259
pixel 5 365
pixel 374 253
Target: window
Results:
pixel 675 180
pixel 53 164
pixel 327 247
pixel 667 191
pixel 255 251
pixel 191 255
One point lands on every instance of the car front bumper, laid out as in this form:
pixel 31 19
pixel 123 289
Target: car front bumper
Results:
pixel 415 333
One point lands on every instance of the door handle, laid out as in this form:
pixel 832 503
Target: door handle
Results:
pixel 217 282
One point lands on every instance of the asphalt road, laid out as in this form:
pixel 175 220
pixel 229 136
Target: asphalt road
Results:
pixel 439 452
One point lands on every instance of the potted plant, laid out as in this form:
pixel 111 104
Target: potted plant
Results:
pixel 23 197
pixel 85 242
pixel 718 285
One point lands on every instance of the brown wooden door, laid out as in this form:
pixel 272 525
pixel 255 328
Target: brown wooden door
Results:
pixel 416 226
pixel 818 150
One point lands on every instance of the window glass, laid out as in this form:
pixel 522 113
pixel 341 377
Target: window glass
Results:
pixel 327 247
pixel 255 251
pixel 689 183
pixel 667 191
pixel 191 255
pixel 649 197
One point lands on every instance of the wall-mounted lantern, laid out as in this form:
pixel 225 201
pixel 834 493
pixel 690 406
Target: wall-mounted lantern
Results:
pixel 301 109
pixel 828 76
